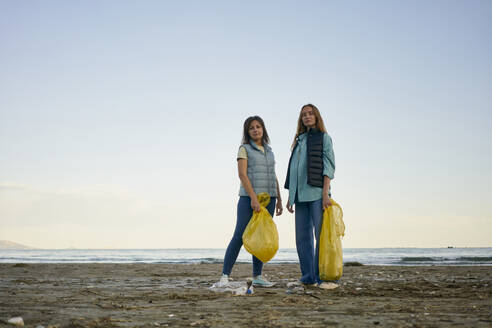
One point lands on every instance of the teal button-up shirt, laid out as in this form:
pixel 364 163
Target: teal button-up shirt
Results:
pixel 298 170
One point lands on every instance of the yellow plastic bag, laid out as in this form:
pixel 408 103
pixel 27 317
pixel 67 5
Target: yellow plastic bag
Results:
pixel 330 244
pixel 260 237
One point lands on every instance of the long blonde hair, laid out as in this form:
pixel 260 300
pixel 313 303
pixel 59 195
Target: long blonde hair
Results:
pixel 301 128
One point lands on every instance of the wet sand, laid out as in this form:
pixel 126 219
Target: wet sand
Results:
pixel 167 295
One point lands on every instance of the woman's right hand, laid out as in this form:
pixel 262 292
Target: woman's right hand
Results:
pixel 290 208
pixel 255 204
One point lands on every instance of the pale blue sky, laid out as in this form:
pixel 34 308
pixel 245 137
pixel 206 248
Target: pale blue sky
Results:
pixel 120 120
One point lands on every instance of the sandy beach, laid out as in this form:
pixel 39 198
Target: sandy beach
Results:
pixel 168 295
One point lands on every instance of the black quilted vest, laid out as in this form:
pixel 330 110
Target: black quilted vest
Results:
pixel 314 159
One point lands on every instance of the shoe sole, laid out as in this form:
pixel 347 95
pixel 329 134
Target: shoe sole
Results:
pixel 264 286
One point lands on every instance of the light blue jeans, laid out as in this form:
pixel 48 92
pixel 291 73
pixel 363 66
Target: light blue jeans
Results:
pixel 309 218
pixel 244 213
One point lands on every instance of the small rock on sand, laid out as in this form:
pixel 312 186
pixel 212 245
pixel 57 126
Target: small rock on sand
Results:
pixel 16 321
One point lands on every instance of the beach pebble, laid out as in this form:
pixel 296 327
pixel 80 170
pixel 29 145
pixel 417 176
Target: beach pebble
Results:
pixel 197 323
pixel 16 321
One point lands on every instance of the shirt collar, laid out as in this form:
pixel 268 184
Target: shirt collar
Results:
pixel 254 145
pixel 311 131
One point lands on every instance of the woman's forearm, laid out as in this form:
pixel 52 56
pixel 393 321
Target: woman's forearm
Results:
pixel 326 185
pixel 242 169
pixel 279 198
pixel 247 185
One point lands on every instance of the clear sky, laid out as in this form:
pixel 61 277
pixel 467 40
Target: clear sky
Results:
pixel 120 120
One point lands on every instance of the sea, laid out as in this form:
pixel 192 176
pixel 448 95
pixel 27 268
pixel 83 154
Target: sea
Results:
pixel 367 256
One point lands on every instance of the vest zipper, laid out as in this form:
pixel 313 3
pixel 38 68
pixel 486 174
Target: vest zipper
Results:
pixel 268 170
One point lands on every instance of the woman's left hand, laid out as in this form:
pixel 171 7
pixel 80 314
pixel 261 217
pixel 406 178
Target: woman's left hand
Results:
pixel 326 201
pixel 278 207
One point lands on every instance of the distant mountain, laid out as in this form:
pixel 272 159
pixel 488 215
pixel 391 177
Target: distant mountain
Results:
pixel 6 244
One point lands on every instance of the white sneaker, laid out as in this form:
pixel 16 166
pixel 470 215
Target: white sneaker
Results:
pixel 299 284
pixel 224 280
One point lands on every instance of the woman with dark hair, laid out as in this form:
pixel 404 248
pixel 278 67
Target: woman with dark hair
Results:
pixel 256 167
pixel 311 169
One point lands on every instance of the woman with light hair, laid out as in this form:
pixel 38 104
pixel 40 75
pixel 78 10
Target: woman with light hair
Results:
pixel 311 169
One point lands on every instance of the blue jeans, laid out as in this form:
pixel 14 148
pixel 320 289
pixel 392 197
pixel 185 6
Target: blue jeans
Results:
pixel 244 213
pixel 309 218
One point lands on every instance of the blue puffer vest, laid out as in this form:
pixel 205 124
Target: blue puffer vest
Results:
pixel 261 170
